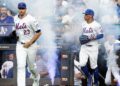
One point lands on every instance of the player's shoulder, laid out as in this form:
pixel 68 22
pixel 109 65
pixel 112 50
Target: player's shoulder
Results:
pixel 30 17
pixel 16 17
pixel 84 23
pixel 96 23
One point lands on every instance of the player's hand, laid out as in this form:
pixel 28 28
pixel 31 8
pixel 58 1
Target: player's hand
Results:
pixel 92 37
pixel 27 44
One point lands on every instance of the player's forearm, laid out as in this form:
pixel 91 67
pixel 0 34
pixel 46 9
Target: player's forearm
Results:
pixel 99 36
pixel 35 37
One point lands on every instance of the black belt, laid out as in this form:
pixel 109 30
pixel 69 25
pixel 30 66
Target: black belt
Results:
pixel 22 42
pixel 89 45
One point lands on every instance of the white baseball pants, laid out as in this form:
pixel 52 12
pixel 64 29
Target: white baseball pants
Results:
pixel 25 55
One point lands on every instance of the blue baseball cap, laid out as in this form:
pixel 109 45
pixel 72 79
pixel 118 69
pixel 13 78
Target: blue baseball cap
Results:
pixel 89 12
pixel 21 5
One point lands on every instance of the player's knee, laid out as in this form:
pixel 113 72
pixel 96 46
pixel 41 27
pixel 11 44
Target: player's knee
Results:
pixel 82 64
pixel 93 67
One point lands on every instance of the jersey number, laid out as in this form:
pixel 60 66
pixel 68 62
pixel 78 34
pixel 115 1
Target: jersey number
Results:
pixel 26 32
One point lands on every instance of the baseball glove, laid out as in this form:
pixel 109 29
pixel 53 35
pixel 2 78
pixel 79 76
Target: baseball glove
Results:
pixel 84 39
pixel 12 38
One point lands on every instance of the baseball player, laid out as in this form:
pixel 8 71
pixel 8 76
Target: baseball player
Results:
pixel 28 31
pixel 91 32
pixel 112 65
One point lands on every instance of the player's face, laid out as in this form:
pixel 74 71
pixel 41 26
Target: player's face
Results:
pixel 22 12
pixel 87 17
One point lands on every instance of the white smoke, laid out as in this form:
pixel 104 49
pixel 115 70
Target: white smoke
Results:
pixel 108 13
pixel 48 49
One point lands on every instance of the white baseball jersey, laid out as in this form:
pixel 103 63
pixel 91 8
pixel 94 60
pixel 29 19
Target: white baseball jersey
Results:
pixel 91 30
pixel 26 27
